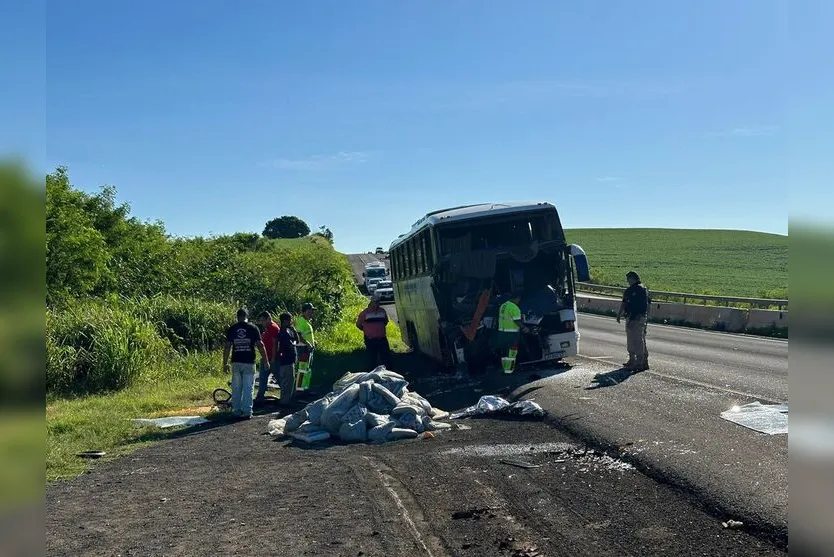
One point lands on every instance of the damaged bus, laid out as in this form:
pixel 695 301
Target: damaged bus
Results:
pixel 456 266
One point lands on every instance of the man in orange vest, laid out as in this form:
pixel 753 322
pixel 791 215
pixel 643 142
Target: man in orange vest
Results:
pixel 372 322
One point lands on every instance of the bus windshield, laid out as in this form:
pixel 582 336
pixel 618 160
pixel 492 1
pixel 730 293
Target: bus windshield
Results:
pixel 500 233
pixel 375 272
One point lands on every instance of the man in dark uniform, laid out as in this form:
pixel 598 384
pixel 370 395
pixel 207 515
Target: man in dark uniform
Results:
pixel 635 306
pixel 242 340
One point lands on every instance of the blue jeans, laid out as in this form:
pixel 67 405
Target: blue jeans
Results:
pixel 263 378
pixel 243 381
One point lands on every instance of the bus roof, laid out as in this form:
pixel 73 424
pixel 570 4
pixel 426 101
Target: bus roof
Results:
pixel 466 212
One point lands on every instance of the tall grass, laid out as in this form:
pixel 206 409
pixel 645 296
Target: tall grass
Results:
pixel 91 347
pixel 188 324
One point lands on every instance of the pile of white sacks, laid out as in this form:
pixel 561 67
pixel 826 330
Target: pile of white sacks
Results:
pixel 364 407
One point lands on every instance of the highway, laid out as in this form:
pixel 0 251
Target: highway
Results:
pixel 667 420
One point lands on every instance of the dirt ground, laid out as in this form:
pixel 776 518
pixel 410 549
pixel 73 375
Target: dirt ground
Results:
pixel 501 487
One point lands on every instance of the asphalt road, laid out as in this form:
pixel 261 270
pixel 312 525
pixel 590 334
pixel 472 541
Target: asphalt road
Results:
pixel 496 487
pixel 667 420
pixel 359 260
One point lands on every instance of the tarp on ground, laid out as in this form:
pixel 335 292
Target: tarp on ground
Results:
pixel 771 419
pixel 170 421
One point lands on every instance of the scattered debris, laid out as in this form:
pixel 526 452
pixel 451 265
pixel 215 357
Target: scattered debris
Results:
pixel 375 406
pixel 520 463
pixel 509 449
pixel 771 419
pixel 491 404
pixel 170 421
pixel 519 549
pixel 732 524
pixel 474 514
pixel 91 454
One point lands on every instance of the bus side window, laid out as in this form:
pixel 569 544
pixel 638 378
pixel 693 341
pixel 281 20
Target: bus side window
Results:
pixel 428 252
pixel 409 259
pixel 418 254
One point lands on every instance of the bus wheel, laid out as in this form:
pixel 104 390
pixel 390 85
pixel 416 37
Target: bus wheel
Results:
pixel 413 343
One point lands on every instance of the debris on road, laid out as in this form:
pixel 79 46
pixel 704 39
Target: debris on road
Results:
pixel 733 524
pixel 771 419
pixel 473 514
pixel 91 454
pixel 375 406
pixel 520 463
pixel 170 421
pixel 491 404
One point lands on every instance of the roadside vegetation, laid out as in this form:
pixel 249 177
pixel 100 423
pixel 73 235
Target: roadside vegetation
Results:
pixel 712 262
pixel 135 318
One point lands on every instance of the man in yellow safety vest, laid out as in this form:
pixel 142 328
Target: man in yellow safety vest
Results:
pixel 510 327
pixel 306 346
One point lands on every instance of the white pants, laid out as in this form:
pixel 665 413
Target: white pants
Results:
pixel 243 381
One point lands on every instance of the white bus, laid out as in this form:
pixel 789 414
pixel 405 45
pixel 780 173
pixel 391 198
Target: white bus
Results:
pixel 456 266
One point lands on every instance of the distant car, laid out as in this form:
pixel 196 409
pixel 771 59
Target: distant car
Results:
pixel 384 291
pixel 372 284
pixel 380 250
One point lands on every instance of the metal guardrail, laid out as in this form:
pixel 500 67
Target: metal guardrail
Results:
pixel 659 295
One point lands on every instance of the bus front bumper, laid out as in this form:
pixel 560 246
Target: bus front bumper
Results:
pixel 556 347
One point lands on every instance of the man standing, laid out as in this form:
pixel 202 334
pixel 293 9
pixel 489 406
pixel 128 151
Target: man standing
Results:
pixel 635 306
pixel 269 337
pixel 241 340
pixel 510 327
pixel 372 322
pixel 306 347
pixel 286 358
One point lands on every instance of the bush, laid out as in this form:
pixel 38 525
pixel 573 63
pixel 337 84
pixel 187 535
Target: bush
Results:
pixel 94 348
pixel 145 296
pixel 188 324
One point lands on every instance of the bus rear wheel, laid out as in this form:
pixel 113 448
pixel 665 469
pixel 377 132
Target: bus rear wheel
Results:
pixel 413 342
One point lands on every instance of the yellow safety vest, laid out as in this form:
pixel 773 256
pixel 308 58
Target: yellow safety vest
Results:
pixel 508 313
pixel 305 329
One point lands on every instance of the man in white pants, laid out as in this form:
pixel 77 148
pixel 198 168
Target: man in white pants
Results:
pixel 241 340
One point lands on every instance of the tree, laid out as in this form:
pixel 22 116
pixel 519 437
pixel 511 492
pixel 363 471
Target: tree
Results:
pixel 326 233
pixel 286 227
pixel 76 253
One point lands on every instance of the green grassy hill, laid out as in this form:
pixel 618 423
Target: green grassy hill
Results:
pixel 718 262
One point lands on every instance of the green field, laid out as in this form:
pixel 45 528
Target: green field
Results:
pixel 717 262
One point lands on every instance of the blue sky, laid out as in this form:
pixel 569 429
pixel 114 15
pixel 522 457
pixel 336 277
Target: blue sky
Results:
pixel 216 116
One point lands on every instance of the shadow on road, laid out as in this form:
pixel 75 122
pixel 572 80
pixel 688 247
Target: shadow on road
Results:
pixel 610 379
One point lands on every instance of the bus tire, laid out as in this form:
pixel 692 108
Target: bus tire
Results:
pixel 413 342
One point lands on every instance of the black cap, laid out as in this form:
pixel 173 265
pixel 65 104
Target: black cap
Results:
pixel 634 275
pixel 242 313
pixel 285 317
pixel 306 305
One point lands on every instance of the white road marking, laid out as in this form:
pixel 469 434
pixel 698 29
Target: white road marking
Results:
pixel 384 480
pixel 690 381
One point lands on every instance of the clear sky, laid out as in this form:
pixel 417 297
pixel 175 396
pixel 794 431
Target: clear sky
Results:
pixel 216 116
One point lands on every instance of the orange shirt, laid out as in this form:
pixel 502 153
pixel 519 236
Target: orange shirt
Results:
pixel 373 322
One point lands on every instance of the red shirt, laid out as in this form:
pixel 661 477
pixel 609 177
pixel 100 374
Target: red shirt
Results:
pixel 268 336
pixel 373 322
